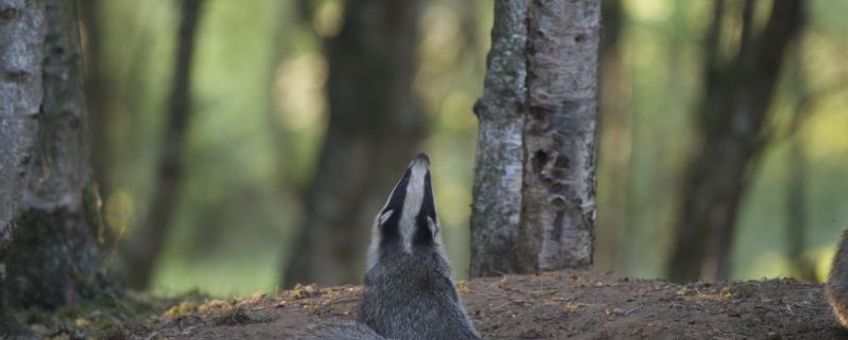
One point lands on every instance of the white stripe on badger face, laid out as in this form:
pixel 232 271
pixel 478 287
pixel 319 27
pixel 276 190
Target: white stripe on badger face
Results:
pixel 412 203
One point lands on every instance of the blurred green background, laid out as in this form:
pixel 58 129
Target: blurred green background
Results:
pixel 260 112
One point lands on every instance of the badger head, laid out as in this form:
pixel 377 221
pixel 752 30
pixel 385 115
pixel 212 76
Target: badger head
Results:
pixel 407 222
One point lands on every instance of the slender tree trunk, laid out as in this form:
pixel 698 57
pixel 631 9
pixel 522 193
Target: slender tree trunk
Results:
pixel 796 212
pixel 97 94
pixel 615 139
pixel 796 175
pixel 375 126
pixel 52 258
pixel 735 109
pixel 496 208
pixel 534 187
pixel 141 251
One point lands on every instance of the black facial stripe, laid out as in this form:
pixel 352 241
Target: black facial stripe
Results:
pixel 390 229
pixel 423 235
pixel 429 203
pixel 398 194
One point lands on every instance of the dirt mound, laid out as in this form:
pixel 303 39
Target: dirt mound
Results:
pixel 555 305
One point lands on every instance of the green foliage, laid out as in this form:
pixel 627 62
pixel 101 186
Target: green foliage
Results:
pixel 260 114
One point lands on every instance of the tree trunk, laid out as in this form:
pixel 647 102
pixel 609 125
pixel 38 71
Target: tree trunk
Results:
pixel 97 93
pixel 496 207
pixel 614 153
pixel 22 31
pixel 534 187
pixel 52 257
pixel 796 213
pixel 141 250
pixel 374 128
pixel 796 175
pixel 734 113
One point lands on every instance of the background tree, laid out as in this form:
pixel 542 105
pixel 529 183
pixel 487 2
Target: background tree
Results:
pixel 614 140
pixel 534 187
pixel 734 112
pixel 375 125
pixel 143 247
pixel 98 95
pixel 50 204
pixel 805 101
pixel 240 203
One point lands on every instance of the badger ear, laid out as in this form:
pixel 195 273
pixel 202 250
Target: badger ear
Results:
pixel 382 218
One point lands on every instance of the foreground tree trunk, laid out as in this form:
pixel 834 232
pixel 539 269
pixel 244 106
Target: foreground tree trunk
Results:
pixel 374 128
pixel 141 250
pixel 534 186
pixel 732 121
pixel 22 33
pixel 50 202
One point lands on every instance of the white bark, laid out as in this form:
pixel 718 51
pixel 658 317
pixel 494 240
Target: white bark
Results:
pixel 50 255
pixel 499 169
pixel 534 190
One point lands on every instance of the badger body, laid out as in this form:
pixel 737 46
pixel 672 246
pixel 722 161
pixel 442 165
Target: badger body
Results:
pixel 836 289
pixel 419 301
pixel 409 289
pixel 338 330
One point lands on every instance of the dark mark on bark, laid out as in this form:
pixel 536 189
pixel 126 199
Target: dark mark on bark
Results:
pixel 539 113
pixel 540 159
pixel 18 76
pixel 9 13
pixel 562 162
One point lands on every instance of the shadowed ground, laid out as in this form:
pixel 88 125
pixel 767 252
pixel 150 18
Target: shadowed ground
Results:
pixel 554 305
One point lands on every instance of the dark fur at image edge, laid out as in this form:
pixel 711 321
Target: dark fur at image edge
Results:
pixel 836 289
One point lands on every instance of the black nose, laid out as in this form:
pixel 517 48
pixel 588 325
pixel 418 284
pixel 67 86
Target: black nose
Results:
pixel 422 157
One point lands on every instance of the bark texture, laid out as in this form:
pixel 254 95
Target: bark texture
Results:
pixel 375 126
pixel 499 169
pixel 52 259
pixel 733 115
pixel 141 251
pixel 534 191
pixel 22 30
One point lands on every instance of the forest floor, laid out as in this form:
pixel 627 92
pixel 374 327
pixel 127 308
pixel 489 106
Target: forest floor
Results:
pixel 554 305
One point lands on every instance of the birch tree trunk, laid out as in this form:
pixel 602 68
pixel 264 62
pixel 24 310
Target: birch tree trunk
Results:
pixel 534 186
pixel 50 198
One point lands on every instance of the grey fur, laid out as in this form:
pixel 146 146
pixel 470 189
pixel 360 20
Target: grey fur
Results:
pixel 339 330
pixel 409 290
pixel 837 283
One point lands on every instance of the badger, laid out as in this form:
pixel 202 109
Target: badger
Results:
pixel 409 289
pixel 836 289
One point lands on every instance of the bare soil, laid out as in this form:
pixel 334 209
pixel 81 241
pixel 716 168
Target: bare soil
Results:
pixel 554 305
